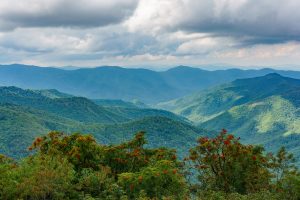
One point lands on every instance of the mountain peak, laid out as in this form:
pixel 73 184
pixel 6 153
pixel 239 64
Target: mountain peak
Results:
pixel 264 79
pixel 183 68
pixel 279 77
pixel 273 75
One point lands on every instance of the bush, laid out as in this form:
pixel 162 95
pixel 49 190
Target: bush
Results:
pixel 39 177
pixel 76 167
pixel 219 195
pixel 224 164
pixel 157 181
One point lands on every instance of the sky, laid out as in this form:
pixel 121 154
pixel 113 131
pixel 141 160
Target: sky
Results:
pixel 154 33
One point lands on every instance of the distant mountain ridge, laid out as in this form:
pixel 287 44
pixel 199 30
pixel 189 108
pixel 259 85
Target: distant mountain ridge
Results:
pixel 126 84
pixel 119 103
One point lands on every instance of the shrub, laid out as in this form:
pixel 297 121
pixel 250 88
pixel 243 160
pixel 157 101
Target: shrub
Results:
pixel 157 181
pixel 38 177
pixel 224 164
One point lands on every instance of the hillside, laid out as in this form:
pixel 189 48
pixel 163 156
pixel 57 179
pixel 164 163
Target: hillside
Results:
pixel 77 108
pixel 273 122
pixel 161 131
pixel 25 114
pixel 19 126
pixel 126 84
pixel 206 104
pixel 262 110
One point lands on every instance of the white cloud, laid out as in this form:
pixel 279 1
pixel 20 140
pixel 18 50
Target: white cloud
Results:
pixel 289 49
pixel 47 40
pixel 149 32
pixel 204 45
pixel 285 54
pixel 153 16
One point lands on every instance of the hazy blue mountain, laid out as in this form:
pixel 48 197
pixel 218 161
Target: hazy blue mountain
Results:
pixel 96 83
pixel 52 93
pixel 126 84
pixel 194 79
pixel 119 103
pixel 262 110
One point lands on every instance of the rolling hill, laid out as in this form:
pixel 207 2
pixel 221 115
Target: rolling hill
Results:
pixel 26 114
pixel 262 110
pixel 122 83
pixel 77 108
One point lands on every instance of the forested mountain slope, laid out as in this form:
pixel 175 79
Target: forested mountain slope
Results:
pixel 25 114
pixel 262 110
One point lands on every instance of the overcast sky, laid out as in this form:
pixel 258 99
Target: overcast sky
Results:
pixel 156 33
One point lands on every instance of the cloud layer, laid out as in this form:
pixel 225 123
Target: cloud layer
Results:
pixel 149 32
pixel 63 13
pixel 266 20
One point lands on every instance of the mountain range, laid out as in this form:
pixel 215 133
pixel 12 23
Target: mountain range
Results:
pixel 147 86
pixel 262 110
pixel 260 106
pixel 26 114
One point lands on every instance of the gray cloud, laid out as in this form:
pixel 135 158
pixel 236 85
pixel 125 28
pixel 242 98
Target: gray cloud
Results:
pixel 168 32
pixel 249 21
pixel 258 21
pixel 63 13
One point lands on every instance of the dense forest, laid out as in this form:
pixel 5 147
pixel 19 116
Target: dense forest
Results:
pixel 75 166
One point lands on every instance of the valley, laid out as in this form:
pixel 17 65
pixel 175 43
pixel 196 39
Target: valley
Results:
pixel 262 110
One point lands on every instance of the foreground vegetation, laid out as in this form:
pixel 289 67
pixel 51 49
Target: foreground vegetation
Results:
pixel 77 167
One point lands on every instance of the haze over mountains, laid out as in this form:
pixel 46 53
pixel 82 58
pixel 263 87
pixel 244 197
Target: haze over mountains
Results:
pixel 260 106
pixel 127 84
